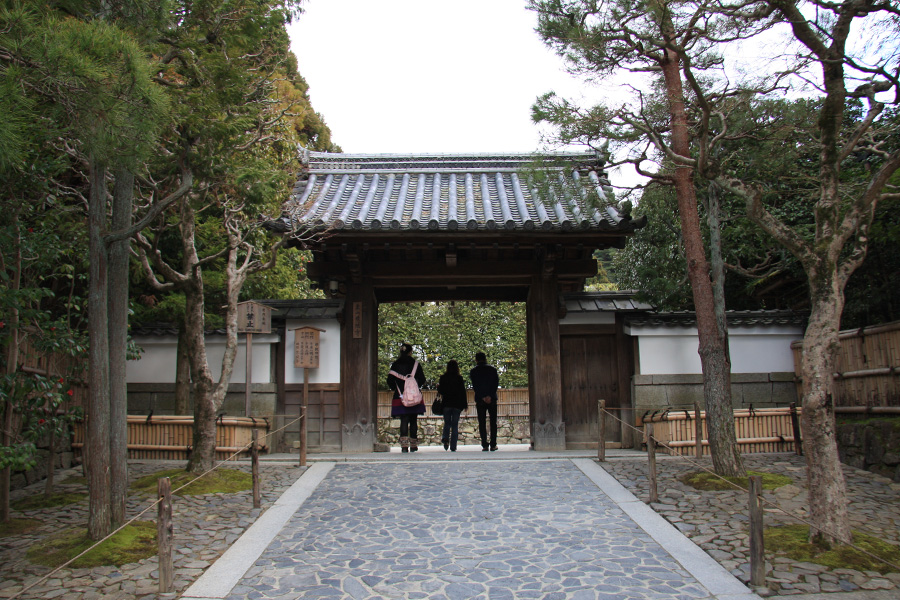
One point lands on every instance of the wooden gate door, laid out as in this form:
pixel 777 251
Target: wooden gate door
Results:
pixel 323 423
pixel 589 373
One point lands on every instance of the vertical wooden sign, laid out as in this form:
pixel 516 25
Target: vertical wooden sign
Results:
pixel 357 320
pixel 306 357
pixel 253 317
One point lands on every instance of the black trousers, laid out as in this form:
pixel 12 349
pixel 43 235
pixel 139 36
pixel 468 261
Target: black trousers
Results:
pixel 487 410
pixel 409 426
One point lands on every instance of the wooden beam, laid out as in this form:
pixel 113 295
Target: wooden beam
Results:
pixel 383 273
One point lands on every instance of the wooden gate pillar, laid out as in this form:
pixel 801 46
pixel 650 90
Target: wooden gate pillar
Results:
pixel 359 332
pixel 548 432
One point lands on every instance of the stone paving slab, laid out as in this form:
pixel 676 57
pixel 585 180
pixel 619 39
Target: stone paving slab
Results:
pixel 449 530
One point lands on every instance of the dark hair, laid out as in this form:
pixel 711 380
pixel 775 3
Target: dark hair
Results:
pixel 405 348
pixel 480 357
pixel 452 367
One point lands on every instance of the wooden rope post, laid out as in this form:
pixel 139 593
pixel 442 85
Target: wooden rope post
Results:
pixel 601 442
pixel 164 535
pixel 651 457
pixel 254 459
pixel 302 452
pixel 698 430
pixel 757 547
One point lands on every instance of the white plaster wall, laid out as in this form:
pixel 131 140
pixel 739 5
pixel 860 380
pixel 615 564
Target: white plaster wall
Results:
pixel 329 370
pixel 157 362
pixel 667 350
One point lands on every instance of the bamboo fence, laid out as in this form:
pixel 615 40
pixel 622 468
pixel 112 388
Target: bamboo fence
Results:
pixel 171 437
pixel 761 430
pixel 867 369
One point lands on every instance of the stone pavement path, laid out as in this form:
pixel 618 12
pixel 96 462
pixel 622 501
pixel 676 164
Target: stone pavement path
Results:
pixel 476 530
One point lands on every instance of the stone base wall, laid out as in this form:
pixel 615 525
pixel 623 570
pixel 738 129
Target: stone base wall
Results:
pixel 871 444
pixel 509 431
pixel 160 398
pixel 761 390
pixel 64 460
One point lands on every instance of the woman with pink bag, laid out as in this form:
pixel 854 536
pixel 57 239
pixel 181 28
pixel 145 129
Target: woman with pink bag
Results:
pixel 401 369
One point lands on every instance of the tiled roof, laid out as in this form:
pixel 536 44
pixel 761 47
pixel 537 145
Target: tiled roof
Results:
pixel 440 192
pixel 735 318
pixel 304 309
pixel 585 302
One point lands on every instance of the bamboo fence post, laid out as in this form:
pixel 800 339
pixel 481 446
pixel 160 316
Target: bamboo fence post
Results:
pixel 651 457
pixel 164 535
pixel 698 430
pixel 757 548
pixel 795 426
pixel 601 442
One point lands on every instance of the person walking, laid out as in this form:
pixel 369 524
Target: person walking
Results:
pixel 409 429
pixel 452 389
pixel 485 380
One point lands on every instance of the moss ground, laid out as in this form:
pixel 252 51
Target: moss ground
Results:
pixel 131 544
pixel 793 542
pixel 39 501
pixel 707 482
pixel 220 481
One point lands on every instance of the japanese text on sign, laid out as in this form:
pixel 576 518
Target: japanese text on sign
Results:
pixel 306 348
pixel 357 320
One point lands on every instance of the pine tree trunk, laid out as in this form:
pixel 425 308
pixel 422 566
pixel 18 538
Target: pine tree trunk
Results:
pixel 118 346
pixel 204 444
pixel 97 439
pixel 827 486
pixel 713 345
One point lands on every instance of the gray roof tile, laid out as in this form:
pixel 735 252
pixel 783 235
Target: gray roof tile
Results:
pixel 440 192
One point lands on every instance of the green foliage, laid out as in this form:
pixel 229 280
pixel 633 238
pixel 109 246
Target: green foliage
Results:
pixel 35 404
pixel 652 263
pixel 242 108
pixel 440 332
pixel 38 406
pixel 287 280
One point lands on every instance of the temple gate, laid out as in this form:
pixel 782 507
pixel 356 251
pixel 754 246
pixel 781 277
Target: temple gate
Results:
pixel 506 228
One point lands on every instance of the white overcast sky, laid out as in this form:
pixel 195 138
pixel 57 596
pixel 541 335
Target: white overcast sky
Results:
pixel 422 76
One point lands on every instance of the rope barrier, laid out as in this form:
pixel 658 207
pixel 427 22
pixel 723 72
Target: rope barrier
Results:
pixel 143 512
pixel 764 500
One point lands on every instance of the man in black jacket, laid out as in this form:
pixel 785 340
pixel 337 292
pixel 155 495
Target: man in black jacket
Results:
pixel 485 380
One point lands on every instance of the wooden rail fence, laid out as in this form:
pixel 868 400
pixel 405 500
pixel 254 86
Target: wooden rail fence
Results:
pixel 171 437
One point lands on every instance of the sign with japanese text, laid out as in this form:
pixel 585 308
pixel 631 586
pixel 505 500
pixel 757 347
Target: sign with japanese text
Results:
pixel 306 347
pixel 254 317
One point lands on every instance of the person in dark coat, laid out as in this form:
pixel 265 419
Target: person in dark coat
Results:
pixel 452 389
pixel 409 429
pixel 485 381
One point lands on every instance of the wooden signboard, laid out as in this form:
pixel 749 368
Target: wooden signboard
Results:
pixel 306 347
pixel 254 317
pixel 357 320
